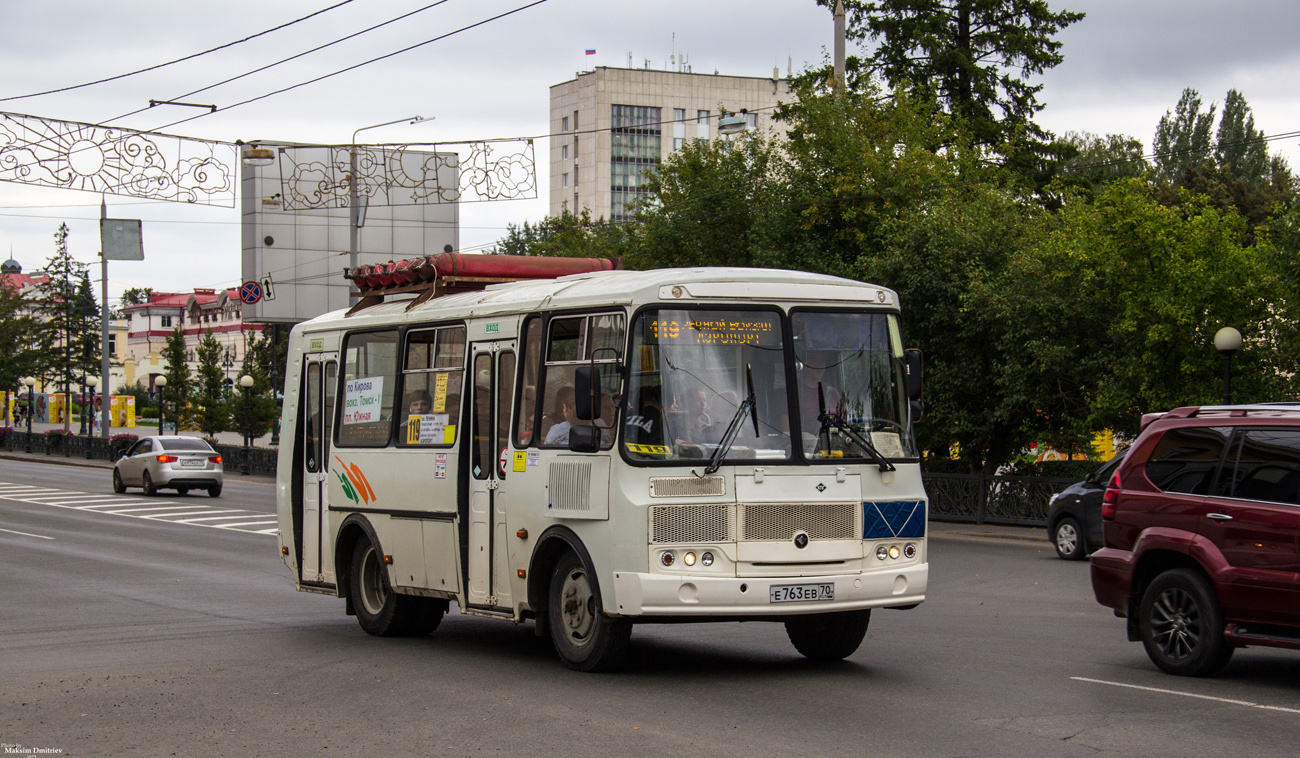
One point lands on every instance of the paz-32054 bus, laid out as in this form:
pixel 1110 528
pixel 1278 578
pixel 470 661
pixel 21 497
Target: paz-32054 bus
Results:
pixel 600 449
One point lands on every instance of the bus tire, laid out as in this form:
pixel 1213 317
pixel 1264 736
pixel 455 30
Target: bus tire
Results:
pixel 380 611
pixel 828 636
pixel 584 637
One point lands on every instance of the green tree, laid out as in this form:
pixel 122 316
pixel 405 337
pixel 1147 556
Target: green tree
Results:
pixel 1239 148
pixel 212 414
pixel 568 235
pixel 133 296
pixel 976 56
pixel 259 402
pixel 1099 160
pixel 179 391
pixel 18 337
pixel 1183 137
pixel 64 301
pixel 1167 278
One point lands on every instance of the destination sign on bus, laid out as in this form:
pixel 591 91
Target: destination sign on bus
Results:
pixel 703 328
pixel 363 399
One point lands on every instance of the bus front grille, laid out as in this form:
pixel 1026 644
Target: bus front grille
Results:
pixel 778 522
pixel 675 524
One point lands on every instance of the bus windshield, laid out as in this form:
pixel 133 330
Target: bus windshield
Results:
pixel 852 388
pixel 690 374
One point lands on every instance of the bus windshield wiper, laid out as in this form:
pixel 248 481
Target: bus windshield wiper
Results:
pixel 839 423
pixel 750 406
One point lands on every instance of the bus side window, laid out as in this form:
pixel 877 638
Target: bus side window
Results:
pixel 369 380
pixel 431 382
pixel 532 359
pixel 576 341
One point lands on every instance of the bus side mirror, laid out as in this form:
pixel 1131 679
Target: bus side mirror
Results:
pixel 913 374
pixel 586 393
pixel 584 439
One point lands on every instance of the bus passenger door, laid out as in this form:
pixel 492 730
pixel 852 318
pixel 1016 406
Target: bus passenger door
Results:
pixel 321 373
pixel 493 375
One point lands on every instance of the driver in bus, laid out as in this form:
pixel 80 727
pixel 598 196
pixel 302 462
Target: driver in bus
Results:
pixel 813 373
pixel 559 434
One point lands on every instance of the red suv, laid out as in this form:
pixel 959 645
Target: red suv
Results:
pixel 1202 535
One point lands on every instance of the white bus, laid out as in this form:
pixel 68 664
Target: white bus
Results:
pixel 607 448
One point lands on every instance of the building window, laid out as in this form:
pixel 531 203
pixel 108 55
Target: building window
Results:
pixel 702 125
pixel 564 180
pixel 702 118
pixel 635 147
pixel 165 321
pixel 112 344
pixel 564 152
pixel 564 124
pixel 679 114
pixel 751 120
pixel 678 142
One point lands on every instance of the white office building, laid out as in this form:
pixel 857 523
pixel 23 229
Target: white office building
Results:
pixel 612 125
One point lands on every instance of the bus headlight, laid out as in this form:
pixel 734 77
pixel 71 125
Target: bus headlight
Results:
pixel 707 559
pixel 909 550
pixel 882 552
pixel 667 558
pixel 894 551
pixel 689 559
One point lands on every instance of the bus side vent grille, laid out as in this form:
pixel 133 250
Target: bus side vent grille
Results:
pixel 570 486
pixel 782 521
pixel 687 486
pixel 671 524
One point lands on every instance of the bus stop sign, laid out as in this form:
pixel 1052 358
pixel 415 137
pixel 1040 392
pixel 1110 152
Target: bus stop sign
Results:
pixel 250 293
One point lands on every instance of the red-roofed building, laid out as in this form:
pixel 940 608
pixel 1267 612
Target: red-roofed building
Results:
pixel 198 312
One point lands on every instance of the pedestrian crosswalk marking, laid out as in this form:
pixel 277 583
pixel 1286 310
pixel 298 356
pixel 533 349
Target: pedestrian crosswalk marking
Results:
pixel 151 509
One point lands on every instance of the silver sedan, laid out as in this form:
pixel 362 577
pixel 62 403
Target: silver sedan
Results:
pixel 179 463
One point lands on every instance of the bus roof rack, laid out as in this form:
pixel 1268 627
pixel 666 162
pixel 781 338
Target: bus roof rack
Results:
pixel 446 273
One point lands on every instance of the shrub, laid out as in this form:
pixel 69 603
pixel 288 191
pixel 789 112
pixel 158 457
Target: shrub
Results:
pixel 54 437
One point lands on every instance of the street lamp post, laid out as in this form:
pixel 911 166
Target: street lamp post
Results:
pixel 92 382
pixel 83 409
pixel 246 382
pixel 1227 341
pixel 354 197
pixel 30 381
pixel 161 384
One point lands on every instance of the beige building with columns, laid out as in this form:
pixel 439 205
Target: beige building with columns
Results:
pixel 612 125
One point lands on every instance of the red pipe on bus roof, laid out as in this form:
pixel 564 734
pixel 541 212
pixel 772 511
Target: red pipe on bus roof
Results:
pixel 517 266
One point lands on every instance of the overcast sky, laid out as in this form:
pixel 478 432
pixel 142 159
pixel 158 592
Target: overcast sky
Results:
pixel 1125 65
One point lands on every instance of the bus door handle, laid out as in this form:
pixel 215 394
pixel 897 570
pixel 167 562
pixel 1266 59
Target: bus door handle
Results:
pixel 1219 516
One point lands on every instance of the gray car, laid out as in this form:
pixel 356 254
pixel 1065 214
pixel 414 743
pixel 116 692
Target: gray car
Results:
pixel 179 463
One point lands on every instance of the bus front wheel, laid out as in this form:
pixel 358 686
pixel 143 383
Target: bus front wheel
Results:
pixel 382 612
pixel 585 638
pixel 828 636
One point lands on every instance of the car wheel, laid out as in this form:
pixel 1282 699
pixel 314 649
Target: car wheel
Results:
pixel 828 636
pixel 214 491
pixel 380 611
pixel 118 485
pixel 148 487
pixel 584 637
pixel 1182 625
pixel 1068 539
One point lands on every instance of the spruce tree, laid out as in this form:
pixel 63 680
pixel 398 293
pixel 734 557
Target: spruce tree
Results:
pixel 212 414
pixel 180 386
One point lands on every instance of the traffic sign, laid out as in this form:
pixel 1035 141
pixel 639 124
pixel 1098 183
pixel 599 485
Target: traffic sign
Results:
pixel 250 293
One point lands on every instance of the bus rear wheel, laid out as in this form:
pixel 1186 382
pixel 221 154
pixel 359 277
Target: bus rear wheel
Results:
pixel 584 637
pixel 828 636
pixel 382 612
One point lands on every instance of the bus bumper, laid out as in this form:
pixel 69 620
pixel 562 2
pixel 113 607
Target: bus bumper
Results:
pixel 638 594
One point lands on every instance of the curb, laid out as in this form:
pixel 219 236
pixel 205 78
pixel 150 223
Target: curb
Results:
pixel 59 460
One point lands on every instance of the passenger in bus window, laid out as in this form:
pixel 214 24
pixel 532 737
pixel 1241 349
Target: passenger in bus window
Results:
pixel 559 434
pixel 645 423
pixel 697 418
pixel 419 403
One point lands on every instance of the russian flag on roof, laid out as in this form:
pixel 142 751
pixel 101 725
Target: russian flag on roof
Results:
pixel 591 51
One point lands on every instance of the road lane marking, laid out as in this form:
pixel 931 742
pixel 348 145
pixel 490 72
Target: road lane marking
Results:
pixel 25 534
pixel 146 508
pixel 1163 691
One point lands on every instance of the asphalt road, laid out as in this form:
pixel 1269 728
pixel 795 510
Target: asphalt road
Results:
pixel 133 636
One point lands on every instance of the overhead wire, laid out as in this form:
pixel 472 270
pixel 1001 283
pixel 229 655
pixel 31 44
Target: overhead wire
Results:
pixel 285 60
pixel 353 67
pixel 178 60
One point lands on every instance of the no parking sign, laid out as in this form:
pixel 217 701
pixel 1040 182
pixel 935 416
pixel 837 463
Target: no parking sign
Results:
pixel 250 293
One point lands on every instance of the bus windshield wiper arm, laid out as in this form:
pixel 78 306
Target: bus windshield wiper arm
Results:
pixel 749 406
pixel 830 422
